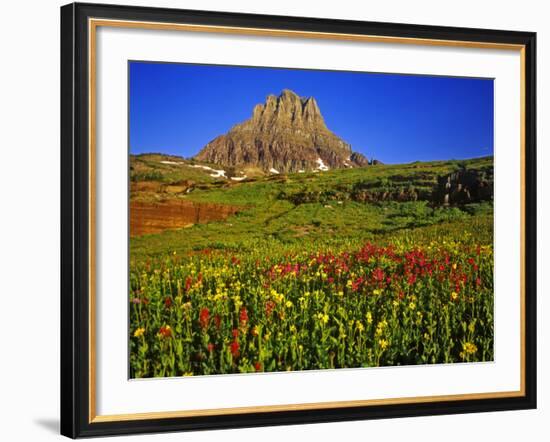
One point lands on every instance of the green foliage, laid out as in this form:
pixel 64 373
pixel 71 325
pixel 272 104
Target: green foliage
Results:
pixel 312 307
pixel 150 175
pixel 188 287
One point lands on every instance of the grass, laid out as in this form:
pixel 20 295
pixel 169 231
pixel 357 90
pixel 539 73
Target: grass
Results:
pixel 206 300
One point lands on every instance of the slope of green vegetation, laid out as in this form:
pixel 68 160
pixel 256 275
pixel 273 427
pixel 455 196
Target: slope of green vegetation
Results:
pixel 270 214
pixel 345 268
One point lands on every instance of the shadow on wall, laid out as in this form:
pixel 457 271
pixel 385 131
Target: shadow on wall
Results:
pixel 52 425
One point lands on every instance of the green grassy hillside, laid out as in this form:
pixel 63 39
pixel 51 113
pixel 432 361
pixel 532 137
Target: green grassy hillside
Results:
pixel 319 208
pixel 374 266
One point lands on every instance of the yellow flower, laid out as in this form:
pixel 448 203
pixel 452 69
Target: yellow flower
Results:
pixel 360 326
pixel 454 296
pixel 323 317
pixel 340 293
pixel 139 332
pixel 349 284
pixel 289 304
pixel 376 292
pixel 369 317
pixel 292 329
pixel 469 348
pixel 412 305
pixel 395 303
pixel 380 327
pixel 188 373
pixel 454 266
pixel 383 344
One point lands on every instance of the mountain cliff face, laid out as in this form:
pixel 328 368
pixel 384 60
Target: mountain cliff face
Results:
pixel 285 134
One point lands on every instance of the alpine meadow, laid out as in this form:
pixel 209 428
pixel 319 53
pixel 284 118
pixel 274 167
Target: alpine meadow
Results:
pixel 301 220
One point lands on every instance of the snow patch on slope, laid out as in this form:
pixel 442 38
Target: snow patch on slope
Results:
pixel 216 174
pixel 322 165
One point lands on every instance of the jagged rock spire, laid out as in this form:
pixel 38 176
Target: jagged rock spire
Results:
pixel 287 133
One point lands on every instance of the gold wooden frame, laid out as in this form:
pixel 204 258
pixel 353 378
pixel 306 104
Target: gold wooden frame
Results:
pixel 93 24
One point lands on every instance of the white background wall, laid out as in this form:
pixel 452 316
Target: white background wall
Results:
pixel 29 219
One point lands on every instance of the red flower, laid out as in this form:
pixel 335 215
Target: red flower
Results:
pixel 269 306
pixel 357 283
pixel 204 317
pixel 378 274
pixel 188 282
pixel 235 333
pixel 165 331
pixel 211 347
pixel 478 281
pixel 258 366
pixel 234 347
pixel 167 302
pixel 243 316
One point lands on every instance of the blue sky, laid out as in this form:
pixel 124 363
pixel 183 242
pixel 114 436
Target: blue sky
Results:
pixel 178 108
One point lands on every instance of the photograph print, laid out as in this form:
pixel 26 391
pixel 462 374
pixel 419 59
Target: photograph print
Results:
pixel 295 219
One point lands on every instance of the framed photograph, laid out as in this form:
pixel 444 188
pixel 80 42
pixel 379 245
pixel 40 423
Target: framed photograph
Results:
pixel 275 220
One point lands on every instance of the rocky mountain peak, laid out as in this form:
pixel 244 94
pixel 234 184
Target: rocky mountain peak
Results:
pixel 286 109
pixel 286 133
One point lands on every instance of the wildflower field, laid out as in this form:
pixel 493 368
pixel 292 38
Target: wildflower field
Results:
pixel 247 295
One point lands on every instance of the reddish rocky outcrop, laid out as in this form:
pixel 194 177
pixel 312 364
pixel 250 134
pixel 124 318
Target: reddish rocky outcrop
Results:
pixel 155 217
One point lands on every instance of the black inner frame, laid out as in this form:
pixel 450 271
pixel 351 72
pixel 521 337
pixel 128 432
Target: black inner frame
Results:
pixel 75 220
